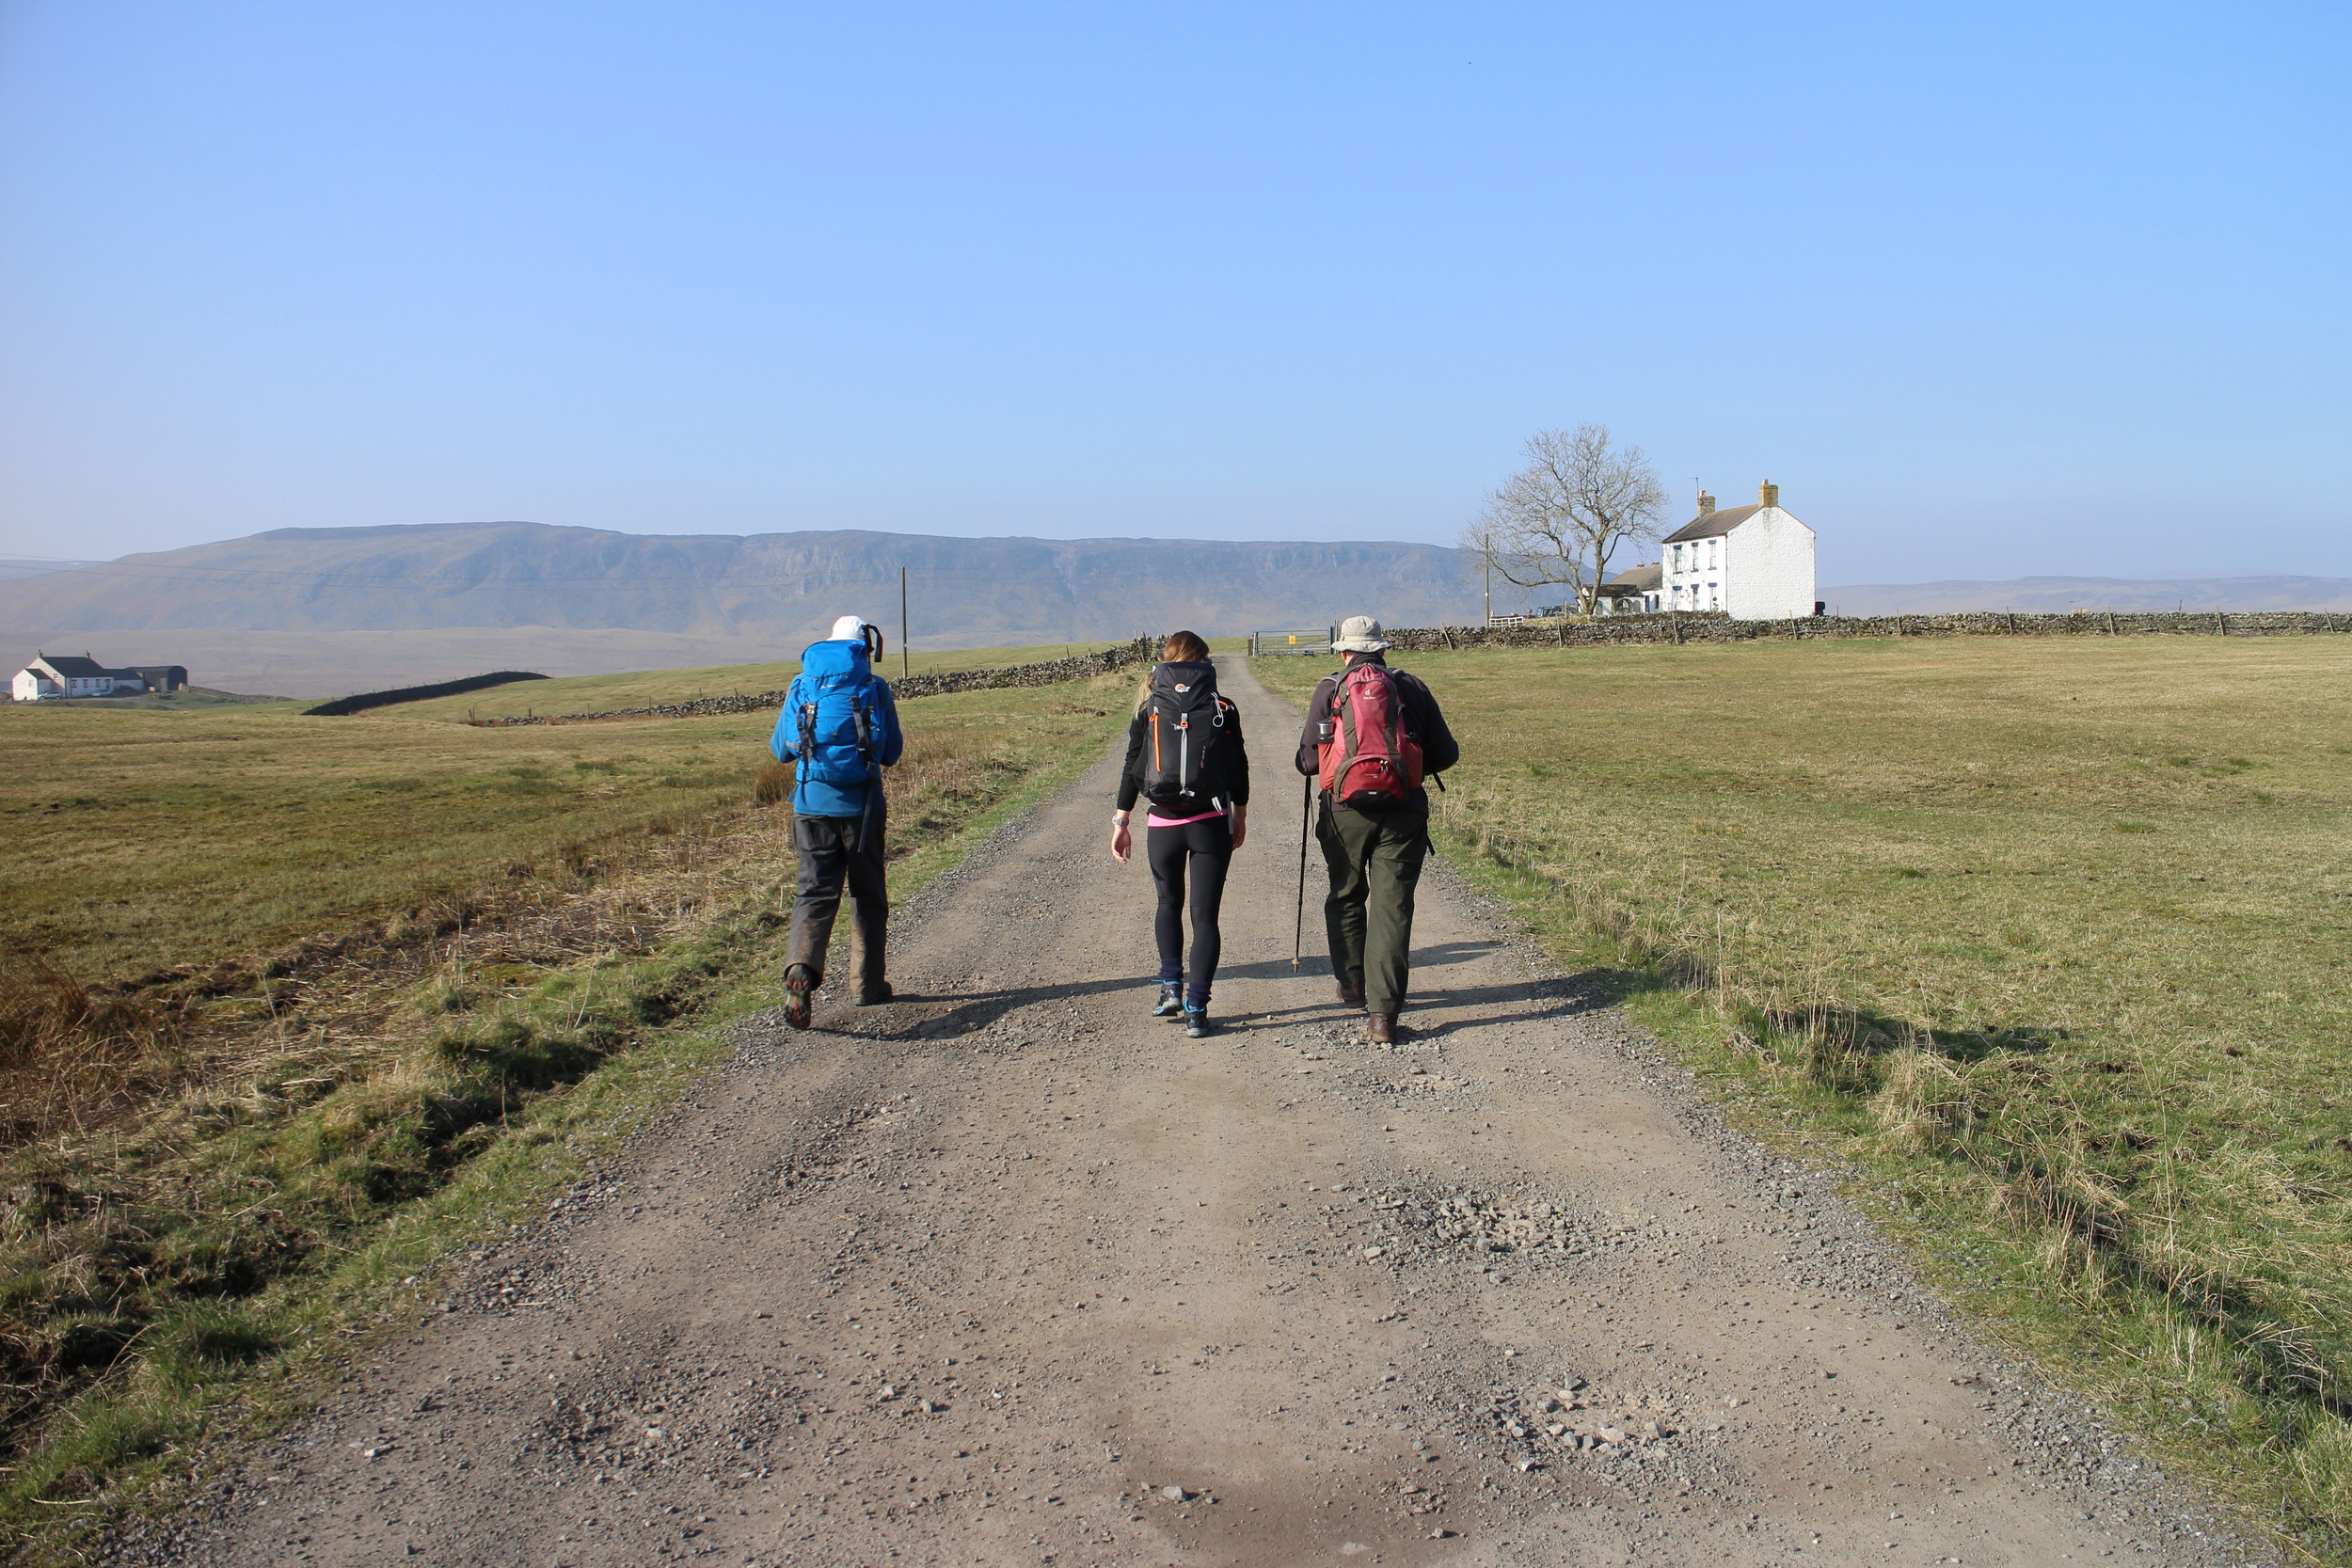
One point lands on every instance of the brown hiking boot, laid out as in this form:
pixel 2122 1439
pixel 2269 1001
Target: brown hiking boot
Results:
pixel 798 983
pixel 1351 996
pixel 1381 1027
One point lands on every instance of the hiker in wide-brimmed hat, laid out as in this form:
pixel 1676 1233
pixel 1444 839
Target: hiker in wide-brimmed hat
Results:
pixel 1372 736
pixel 1185 761
pixel 839 729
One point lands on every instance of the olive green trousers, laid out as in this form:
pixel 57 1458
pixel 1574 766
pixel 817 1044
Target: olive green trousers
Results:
pixel 1374 861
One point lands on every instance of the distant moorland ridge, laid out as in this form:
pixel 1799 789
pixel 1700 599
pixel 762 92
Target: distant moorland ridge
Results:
pixel 779 587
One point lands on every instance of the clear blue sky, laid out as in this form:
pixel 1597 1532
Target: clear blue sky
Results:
pixel 1988 290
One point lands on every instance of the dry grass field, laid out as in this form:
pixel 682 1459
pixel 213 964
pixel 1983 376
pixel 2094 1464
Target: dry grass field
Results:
pixel 151 840
pixel 2048 939
pixel 649 688
pixel 291 1007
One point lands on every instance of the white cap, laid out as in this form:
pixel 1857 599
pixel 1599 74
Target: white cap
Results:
pixel 849 628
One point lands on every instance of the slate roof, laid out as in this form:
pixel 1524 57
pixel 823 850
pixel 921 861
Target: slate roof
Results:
pixel 1710 525
pixel 73 665
pixel 1638 579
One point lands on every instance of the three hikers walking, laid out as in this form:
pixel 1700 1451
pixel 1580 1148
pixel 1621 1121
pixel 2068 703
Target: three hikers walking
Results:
pixel 839 729
pixel 1372 736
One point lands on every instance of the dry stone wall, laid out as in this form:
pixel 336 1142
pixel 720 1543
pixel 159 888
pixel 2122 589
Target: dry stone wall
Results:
pixel 1053 671
pixel 1714 627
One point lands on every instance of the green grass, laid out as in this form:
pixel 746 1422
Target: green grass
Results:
pixel 184 699
pixel 652 687
pixel 343 1116
pixel 2045 938
pixel 143 840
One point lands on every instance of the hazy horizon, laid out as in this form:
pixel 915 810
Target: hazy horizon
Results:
pixel 2002 291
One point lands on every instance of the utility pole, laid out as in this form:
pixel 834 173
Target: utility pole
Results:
pixel 905 657
pixel 1490 555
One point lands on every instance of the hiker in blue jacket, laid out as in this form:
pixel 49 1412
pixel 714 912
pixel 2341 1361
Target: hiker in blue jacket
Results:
pixel 839 729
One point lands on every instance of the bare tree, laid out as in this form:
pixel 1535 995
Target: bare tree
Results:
pixel 1562 517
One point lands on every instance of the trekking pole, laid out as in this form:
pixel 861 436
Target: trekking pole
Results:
pixel 1306 821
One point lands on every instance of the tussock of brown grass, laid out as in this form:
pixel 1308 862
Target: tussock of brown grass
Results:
pixel 70 1058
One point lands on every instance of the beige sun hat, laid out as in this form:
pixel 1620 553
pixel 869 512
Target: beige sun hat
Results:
pixel 1359 634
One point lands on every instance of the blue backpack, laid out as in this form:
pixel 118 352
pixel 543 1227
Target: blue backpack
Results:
pixel 840 729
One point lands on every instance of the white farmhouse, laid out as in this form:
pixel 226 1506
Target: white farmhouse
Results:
pixel 50 679
pixel 47 679
pixel 1752 563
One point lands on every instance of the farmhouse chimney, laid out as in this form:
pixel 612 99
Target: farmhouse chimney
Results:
pixel 1706 503
pixel 1768 494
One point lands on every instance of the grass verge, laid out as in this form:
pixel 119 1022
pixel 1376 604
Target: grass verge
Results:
pixel 2033 937
pixel 189 1266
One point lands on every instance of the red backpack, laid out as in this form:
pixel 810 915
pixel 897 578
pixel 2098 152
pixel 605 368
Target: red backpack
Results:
pixel 1370 763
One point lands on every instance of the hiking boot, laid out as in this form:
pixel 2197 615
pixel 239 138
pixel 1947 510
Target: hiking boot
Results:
pixel 1351 996
pixel 1381 1027
pixel 799 980
pixel 874 995
pixel 1197 1023
pixel 1171 1002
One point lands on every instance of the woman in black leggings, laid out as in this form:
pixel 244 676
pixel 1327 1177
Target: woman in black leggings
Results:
pixel 1185 747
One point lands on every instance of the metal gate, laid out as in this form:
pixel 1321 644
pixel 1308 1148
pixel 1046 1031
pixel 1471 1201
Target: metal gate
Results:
pixel 1314 641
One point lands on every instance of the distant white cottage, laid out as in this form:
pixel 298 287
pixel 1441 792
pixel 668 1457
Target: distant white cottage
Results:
pixel 1752 563
pixel 53 679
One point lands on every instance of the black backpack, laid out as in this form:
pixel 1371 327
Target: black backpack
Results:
pixel 1182 722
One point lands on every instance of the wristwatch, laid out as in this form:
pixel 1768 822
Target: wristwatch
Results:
pixel 1119 819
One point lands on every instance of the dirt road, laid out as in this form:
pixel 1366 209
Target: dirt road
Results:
pixel 1010 1273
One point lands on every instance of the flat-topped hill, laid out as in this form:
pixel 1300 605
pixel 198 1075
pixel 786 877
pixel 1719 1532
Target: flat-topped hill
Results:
pixel 784 588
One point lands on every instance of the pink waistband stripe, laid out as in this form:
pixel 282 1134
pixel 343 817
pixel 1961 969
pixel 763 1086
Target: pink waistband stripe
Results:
pixel 1156 820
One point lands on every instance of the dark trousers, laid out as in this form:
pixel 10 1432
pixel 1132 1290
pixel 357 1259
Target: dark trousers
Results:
pixel 834 851
pixel 1374 861
pixel 1207 849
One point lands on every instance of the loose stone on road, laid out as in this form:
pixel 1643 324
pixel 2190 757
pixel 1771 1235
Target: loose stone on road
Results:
pixel 1008 1272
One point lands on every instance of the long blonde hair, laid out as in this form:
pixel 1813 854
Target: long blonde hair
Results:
pixel 1182 647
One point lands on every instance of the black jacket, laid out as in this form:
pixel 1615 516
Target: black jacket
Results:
pixel 1228 772
pixel 1424 723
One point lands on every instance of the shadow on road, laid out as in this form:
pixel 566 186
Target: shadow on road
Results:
pixel 1431 1011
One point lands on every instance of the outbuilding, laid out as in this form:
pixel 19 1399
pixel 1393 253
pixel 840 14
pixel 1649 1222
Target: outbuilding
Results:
pixel 1635 591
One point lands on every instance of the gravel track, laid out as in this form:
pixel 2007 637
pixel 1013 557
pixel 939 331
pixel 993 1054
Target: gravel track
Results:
pixel 1009 1272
